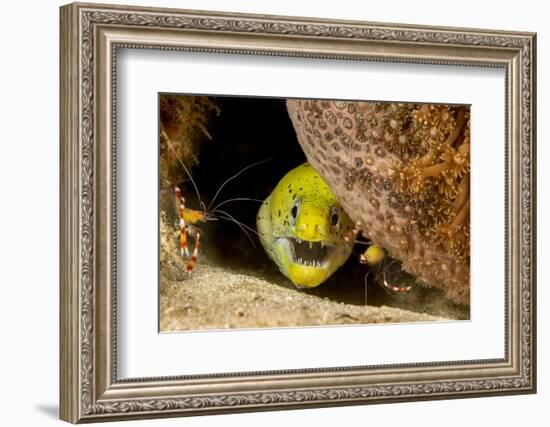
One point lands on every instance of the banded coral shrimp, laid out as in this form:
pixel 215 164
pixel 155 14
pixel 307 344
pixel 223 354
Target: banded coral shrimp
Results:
pixel 190 219
pixel 386 271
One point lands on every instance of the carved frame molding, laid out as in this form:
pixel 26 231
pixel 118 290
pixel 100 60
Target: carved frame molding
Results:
pixel 90 37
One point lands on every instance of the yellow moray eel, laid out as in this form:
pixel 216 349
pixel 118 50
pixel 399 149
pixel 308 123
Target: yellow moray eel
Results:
pixel 302 228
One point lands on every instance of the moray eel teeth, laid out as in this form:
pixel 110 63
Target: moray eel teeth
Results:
pixel 314 254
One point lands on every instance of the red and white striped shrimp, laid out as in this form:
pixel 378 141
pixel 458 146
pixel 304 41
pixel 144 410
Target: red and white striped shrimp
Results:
pixel 187 220
pixel 376 258
pixel 190 218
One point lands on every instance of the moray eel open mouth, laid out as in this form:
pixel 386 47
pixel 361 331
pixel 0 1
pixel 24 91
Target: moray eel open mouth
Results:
pixel 307 264
pixel 309 254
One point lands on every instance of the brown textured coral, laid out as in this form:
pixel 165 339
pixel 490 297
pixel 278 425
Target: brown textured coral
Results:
pixel 402 171
pixel 183 126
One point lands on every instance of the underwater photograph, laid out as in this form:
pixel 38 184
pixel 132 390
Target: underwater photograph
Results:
pixel 311 212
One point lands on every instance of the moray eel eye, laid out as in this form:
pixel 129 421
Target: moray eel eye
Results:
pixel 334 216
pixel 294 211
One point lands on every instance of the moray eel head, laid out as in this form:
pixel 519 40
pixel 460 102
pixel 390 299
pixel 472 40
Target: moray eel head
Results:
pixel 303 227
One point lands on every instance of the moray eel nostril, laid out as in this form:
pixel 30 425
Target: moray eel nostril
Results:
pixel 302 228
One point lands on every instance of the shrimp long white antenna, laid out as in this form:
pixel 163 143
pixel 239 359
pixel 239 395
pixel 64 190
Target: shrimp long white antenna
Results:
pixel 235 176
pixel 236 200
pixel 242 226
pixel 366 290
pixel 184 168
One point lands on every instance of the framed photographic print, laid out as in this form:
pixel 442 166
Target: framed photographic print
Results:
pixel 265 212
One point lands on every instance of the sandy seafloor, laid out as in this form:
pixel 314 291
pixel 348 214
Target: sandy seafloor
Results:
pixel 220 296
pixel 214 298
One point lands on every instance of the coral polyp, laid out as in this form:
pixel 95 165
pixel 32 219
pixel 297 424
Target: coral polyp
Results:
pixel 402 171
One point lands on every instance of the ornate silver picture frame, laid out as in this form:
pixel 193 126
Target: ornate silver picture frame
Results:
pixel 91 38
